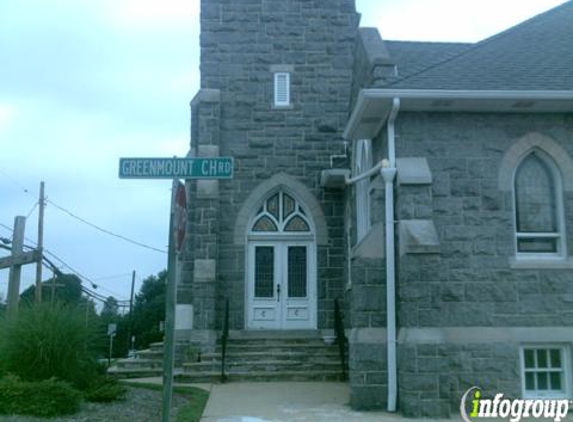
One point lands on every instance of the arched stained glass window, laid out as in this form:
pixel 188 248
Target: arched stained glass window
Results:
pixel 537 206
pixel 265 224
pixel 281 213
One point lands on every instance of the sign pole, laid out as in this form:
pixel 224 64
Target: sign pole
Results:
pixel 168 347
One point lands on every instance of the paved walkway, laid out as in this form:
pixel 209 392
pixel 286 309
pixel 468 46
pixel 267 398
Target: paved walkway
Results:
pixel 285 402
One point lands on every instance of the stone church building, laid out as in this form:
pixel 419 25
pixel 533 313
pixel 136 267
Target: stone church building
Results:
pixel 426 186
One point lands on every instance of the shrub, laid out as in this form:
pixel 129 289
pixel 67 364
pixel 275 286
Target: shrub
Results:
pixel 42 398
pixel 46 341
pixel 105 390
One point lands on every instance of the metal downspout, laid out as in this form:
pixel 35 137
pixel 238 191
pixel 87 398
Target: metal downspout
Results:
pixel 389 173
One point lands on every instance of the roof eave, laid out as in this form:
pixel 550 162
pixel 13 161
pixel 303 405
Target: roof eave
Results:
pixel 373 105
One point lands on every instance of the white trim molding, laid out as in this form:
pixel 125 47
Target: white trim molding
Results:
pixel 547 368
pixel 525 145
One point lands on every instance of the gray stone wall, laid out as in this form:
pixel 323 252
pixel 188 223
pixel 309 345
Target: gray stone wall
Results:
pixel 241 44
pixel 368 373
pixel 373 65
pixel 367 341
pixel 368 293
pixel 471 280
pixel 432 377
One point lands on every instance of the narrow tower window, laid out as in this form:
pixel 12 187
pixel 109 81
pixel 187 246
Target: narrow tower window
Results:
pixel 282 89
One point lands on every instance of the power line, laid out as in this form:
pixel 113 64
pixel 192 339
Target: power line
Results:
pixel 48 263
pixel 6 227
pixel 112 277
pixel 108 232
pixel 32 210
pixel 81 277
pixel 16 183
pixel 115 294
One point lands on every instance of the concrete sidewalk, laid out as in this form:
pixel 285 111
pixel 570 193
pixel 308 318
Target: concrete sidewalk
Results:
pixel 286 402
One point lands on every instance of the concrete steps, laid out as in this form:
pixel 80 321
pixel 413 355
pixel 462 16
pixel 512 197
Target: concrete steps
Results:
pixel 251 356
pixel 146 363
pixel 256 376
pixel 269 356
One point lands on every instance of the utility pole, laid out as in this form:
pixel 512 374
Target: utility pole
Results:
pixel 40 245
pixel 15 267
pixel 132 288
pixel 129 326
pixel 53 286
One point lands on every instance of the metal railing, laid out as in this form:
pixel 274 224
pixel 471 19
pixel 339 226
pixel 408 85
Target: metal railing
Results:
pixel 340 338
pixel 224 339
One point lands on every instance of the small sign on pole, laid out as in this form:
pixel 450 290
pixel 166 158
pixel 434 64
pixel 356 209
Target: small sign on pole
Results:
pixel 180 222
pixel 111 330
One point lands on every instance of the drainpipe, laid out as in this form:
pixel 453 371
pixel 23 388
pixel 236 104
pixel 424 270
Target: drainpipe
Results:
pixel 388 174
pixel 387 168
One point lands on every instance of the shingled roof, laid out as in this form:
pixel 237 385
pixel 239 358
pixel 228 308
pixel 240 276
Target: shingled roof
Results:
pixel 534 55
pixel 412 57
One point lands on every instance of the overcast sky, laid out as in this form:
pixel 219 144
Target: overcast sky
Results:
pixel 83 83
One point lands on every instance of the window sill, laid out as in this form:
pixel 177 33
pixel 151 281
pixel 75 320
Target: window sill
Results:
pixel 541 263
pixel 282 106
pixel 371 245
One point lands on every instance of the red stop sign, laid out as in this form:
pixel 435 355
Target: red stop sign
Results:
pixel 180 223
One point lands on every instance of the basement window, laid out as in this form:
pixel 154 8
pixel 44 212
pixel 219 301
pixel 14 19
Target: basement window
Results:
pixel 282 89
pixel 544 371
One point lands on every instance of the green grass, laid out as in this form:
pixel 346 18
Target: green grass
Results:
pixel 190 411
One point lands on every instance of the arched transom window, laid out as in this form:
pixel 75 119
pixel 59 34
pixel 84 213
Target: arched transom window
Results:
pixel 281 213
pixel 538 213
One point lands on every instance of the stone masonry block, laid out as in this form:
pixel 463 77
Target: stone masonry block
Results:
pixel 207 189
pixel 208 151
pixel 205 270
pixel 418 236
pixel 413 171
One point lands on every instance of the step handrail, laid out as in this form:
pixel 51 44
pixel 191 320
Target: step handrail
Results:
pixel 224 339
pixel 340 338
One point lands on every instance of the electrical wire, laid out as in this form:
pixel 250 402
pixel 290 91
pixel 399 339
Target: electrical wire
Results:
pixel 6 227
pixel 32 210
pixel 50 264
pixel 110 277
pixel 15 182
pixel 108 232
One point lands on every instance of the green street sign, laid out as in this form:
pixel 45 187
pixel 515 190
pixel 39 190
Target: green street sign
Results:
pixel 176 168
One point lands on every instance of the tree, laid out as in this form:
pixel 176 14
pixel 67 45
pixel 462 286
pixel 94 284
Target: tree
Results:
pixel 110 308
pixel 149 310
pixel 67 290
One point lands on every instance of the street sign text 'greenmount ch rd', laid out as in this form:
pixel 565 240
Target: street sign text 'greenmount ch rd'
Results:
pixel 176 168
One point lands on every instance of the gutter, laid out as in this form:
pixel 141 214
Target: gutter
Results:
pixel 561 99
pixel 442 94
